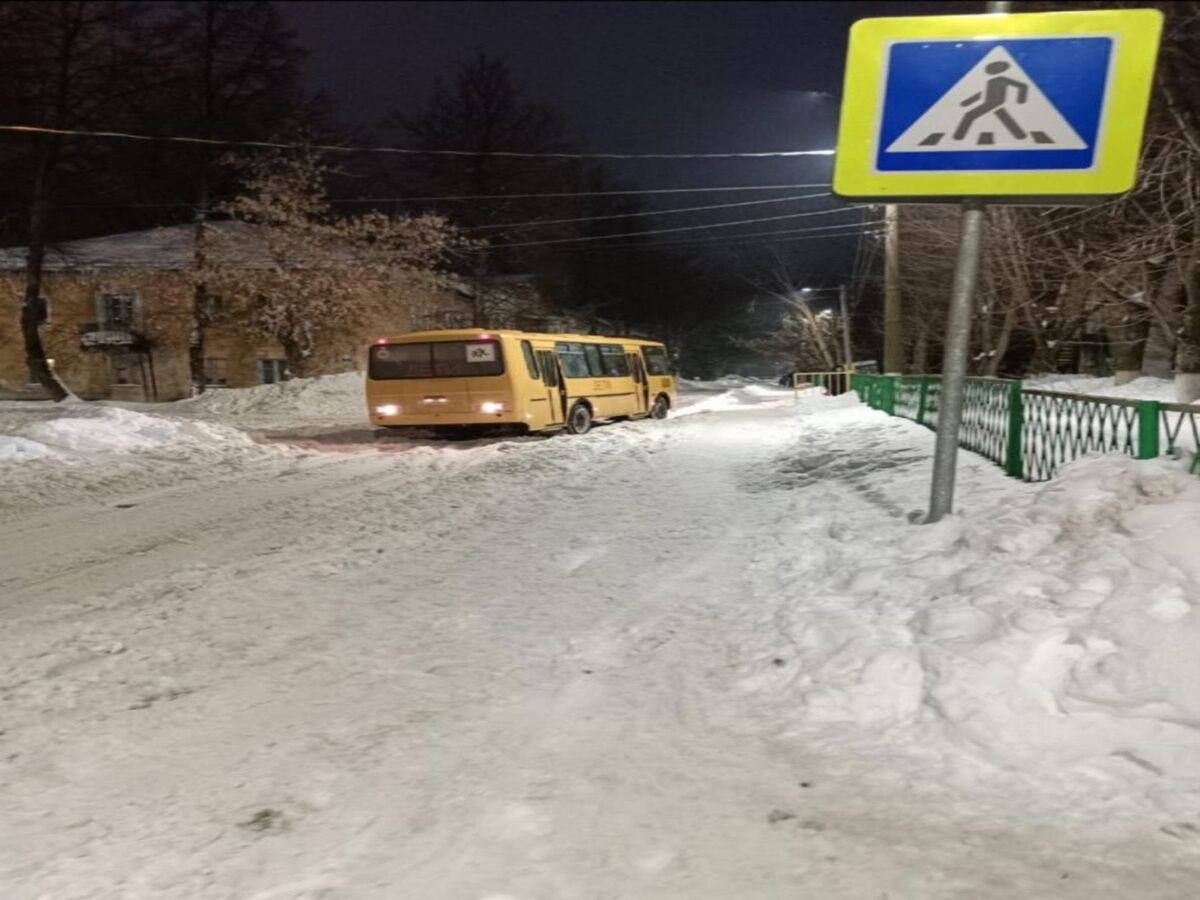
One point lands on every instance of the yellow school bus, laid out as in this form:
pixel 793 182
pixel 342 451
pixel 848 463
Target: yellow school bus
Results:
pixel 532 382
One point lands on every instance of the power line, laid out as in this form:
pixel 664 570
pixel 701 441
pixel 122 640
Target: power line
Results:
pixel 190 204
pixel 686 190
pixel 734 242
pixel 649 212
pixel 768 237
pixel 762 237
pixel 605 237
pixel 406 151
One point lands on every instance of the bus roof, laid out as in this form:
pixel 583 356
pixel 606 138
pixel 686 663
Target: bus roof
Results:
pixel 461 334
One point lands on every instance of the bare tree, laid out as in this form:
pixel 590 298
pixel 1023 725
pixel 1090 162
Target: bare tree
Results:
pixel 68 65
pixel 485 111
pixel 234 73
pixel 301 273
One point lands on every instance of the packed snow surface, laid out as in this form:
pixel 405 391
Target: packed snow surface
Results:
pixel 708 658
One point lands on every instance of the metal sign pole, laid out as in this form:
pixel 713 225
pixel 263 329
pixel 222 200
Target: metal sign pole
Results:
pixel 958 348
pixel 954 366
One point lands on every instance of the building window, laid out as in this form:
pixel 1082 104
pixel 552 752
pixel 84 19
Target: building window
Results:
pixel 215 372
pixel 126 368
pixel 215 306
pixel 118 310
pixel 271 371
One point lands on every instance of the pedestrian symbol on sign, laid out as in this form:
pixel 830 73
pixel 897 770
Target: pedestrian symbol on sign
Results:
pixel 994 97
pixel 994 106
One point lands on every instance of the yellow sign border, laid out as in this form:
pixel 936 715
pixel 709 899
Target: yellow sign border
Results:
pixel 1119 141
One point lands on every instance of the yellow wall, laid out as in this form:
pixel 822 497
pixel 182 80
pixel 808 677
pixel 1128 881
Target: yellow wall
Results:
pixel 166 299
pixel 166 302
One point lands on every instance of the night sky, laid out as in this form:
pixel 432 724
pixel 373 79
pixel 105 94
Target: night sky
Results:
pixel 650 77
pixel 632 77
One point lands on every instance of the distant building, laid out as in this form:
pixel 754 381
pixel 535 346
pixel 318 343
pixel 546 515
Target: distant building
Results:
pixel 119 318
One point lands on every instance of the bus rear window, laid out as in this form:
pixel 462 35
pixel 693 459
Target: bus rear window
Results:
pixel 656 361
pixel 436 359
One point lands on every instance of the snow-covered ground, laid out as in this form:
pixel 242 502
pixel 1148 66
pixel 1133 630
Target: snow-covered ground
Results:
pixel 712 657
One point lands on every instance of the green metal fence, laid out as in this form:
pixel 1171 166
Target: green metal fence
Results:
pixel 1181 427
pixel 1031 433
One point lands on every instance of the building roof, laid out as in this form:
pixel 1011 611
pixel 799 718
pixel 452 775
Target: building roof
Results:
pixel 467 334
pixel 169 248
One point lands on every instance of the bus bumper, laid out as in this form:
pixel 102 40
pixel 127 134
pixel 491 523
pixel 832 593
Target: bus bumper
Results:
pixel 427 420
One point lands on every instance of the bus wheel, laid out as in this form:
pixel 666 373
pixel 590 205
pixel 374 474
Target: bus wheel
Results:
pixel 579 421
pixel 660 407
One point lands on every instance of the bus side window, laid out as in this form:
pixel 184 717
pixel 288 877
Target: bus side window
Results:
pixel 634 367
pixel 656 361
pixel 612 358
pixel 530 360
pixel 595 364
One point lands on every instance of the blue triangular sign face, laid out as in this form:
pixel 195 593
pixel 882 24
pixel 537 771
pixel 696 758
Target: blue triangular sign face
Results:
pixel 996 105
pixel 1004 105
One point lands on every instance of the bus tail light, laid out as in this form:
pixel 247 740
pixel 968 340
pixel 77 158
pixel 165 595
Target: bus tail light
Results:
pixel 490 407
pixel 387 409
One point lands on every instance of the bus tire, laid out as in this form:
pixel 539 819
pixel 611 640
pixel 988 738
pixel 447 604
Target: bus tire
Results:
pixel 660 407
pixel 579 419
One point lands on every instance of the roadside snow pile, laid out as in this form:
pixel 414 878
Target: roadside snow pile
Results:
pixel 1051 629
pixel 79 428
pixel 84 452
pixel 1146 388
pixel 1072 635
pixel 327 399
pixel 19 449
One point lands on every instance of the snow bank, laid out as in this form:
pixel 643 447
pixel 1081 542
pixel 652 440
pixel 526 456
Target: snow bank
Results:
pixel 711 396
pixel 82 452
pixel 1051 629
pixel 107 429
pixel 1075 637
pixel 19 449
pixel 327 399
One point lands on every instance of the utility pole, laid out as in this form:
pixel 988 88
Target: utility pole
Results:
pixel 893 310
pixel 848 359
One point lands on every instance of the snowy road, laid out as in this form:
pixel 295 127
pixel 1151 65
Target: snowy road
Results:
pixel 562 669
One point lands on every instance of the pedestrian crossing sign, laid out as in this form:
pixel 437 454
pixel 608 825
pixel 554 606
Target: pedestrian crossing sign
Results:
pixel 1037 107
